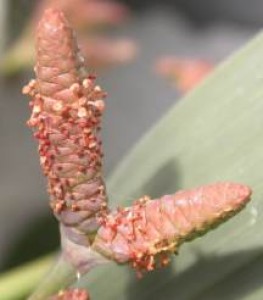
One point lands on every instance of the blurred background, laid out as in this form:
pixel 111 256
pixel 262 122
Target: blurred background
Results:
pixel 146 54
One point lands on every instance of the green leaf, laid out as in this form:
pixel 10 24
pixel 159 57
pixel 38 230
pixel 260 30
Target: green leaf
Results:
pixel 215 133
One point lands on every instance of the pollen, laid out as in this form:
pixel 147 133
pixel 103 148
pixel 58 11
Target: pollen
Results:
pixel 58 106
pixel 82 112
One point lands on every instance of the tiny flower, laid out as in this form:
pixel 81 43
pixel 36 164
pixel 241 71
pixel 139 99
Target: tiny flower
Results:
pixel 184 73
pixel 102 51
pixel 71 294
pixel 86 16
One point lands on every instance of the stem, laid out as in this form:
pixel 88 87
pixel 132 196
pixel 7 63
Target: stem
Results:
pixel 18 283
pixel 61 275
pixel 21 281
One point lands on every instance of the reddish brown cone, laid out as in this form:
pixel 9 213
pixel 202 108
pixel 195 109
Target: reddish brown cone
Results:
pixel 67 107
pixel 147 232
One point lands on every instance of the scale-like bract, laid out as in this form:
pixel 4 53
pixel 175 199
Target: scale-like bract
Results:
pixel 151 229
